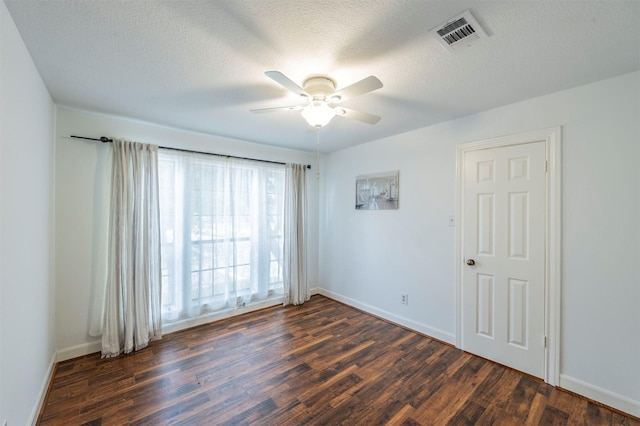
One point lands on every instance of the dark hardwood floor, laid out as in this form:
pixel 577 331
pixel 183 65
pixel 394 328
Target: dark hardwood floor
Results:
pixel 322 363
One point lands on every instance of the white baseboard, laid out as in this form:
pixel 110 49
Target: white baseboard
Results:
pixel 604 396
pixel 43 390
pixel 217 316
pixel 405 322
pixel 79 350
pixel 96 346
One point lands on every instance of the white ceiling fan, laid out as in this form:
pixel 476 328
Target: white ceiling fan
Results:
pixel 321 100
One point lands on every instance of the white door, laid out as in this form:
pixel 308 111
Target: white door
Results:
pixel 503 288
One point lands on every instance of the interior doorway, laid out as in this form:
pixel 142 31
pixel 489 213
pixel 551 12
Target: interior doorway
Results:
pixel 507 251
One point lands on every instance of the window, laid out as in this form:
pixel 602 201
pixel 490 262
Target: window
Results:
pixel 222 232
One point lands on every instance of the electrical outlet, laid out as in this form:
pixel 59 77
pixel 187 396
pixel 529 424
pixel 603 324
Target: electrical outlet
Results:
pixel 404 298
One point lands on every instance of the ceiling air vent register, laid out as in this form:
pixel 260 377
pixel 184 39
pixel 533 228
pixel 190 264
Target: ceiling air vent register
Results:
pixel 459 32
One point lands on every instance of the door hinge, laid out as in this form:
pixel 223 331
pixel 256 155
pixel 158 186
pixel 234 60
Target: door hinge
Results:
pixel 546 166
pixel 545 341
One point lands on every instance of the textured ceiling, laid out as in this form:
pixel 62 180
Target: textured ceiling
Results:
pixel 199 65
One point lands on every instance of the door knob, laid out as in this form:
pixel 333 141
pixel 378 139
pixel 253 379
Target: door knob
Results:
pixel 471 262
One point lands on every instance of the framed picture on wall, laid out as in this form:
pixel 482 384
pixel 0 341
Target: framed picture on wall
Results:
pixel 378 191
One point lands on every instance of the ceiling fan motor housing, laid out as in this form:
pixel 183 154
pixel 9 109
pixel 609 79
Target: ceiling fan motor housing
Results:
pixel 319 87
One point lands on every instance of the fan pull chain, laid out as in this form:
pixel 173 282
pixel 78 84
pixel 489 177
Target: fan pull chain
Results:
pixel 318 154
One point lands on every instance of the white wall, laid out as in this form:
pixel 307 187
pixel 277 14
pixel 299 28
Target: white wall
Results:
pixel 78 192
pixel 367 258
pixel 26 230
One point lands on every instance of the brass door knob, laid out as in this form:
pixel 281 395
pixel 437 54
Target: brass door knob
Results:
pixel 471 262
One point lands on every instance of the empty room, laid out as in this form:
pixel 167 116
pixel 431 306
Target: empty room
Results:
pixel 418 212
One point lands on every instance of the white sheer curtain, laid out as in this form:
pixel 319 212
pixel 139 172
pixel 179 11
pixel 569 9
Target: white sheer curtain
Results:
pixel 132 314
pixel 221 221
pixel 296 289
pixel 100 246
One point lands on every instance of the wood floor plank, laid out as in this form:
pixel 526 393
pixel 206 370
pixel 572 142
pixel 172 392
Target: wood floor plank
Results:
pixel 536 410
pixel 315 364
pixel 468 414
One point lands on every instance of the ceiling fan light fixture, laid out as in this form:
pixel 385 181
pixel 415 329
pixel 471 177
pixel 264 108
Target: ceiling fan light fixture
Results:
pixel 318 114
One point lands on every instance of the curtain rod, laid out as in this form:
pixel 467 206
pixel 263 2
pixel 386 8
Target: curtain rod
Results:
pixel 105 139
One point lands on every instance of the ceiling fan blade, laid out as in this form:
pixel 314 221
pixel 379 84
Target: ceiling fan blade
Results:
pixel 357 115
pixel 286 82
pixel 366 85
pixel 282 108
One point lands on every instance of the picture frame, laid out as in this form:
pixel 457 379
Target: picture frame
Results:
pixel 377 191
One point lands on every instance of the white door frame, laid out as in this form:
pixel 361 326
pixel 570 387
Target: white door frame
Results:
pixel 552 139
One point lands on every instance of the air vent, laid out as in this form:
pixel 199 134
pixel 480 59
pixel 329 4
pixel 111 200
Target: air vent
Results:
pixel 459 32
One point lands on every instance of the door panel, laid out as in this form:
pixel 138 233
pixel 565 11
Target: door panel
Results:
pixel 486 221
pixel 518 225
pixel 518 312
pixel 484 305
pixel 504 233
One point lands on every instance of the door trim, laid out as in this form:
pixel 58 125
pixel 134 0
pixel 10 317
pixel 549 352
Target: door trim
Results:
pixel 552 138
